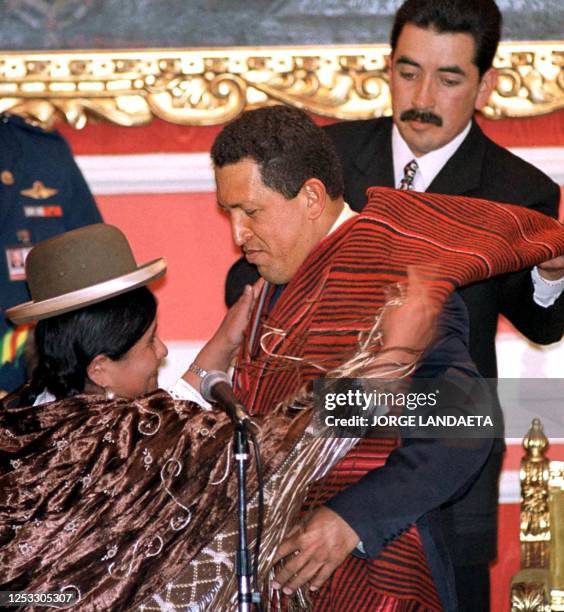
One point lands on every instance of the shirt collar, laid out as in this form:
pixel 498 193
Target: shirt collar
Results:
pixel 429 164
pixel 346 214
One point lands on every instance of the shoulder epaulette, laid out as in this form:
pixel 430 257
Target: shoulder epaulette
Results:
pixel 27 123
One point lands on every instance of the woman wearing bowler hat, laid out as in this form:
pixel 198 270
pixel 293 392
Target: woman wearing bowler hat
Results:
pixel 90 497
pixel 109 486
pixel 97 324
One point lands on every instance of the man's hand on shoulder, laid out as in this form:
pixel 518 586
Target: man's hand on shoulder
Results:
pixel 313 551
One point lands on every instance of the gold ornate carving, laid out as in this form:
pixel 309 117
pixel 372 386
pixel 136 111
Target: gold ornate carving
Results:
pixel 539 585
pixel 530 81
pixel 556 505
pixel 535 554
pixel 529 597
pixel 557 600
pixel 534 476
pixel 211 86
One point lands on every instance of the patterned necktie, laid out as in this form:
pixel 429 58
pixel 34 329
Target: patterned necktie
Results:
pixel 408 175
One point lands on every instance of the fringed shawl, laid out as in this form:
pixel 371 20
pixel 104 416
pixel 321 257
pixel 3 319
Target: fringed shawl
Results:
pixel 336 296
pixel 111 499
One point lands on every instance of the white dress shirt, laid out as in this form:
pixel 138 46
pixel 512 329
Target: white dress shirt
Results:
pixel 346 214
pixel 429 164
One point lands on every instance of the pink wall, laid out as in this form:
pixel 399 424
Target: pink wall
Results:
pixel 194 237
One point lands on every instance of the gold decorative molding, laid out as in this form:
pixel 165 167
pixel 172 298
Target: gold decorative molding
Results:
pixel 212 86
pixel 530 80
pixel 557 600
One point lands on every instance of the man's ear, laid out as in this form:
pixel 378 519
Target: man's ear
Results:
pixel 316 197
pixel 485 88
pixel 97 371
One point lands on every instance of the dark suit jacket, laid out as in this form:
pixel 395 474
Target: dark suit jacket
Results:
pixel 481 169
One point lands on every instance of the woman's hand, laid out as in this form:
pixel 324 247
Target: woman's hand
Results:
pixel 407 327
pixel 223 345
pixel 232 329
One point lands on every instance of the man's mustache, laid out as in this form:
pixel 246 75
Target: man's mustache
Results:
pixel 422 116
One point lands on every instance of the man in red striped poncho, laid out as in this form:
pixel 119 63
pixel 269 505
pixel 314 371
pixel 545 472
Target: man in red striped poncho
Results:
pixel 375 543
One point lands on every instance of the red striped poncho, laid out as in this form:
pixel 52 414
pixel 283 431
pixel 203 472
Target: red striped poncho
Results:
pixel 315 324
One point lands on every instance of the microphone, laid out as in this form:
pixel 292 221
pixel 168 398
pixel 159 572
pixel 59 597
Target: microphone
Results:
pixel 216 387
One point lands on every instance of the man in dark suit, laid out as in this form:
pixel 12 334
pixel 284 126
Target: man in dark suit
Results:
pixel 441 72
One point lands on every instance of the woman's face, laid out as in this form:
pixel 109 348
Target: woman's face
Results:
pixel 135 373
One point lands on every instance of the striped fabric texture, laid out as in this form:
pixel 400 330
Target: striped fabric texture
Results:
pixel 336 294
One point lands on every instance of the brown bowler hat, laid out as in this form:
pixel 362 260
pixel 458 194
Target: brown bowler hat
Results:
pixel 79 268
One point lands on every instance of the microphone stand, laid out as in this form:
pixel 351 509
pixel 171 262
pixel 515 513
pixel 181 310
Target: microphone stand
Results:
pixel 243 563
pixel 216 387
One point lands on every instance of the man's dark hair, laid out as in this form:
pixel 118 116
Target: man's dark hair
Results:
pixel 287 146
pixel 479 18
pixel 67 343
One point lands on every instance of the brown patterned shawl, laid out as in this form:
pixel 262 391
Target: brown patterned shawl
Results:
pixel 111 499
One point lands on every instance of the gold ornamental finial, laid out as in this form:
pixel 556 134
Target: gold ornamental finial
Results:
pixel 535 442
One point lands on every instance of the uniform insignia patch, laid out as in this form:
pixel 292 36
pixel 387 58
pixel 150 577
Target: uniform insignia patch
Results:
pixel 24 236
pixel 15 260
pixel 38 191
pixel 43 211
